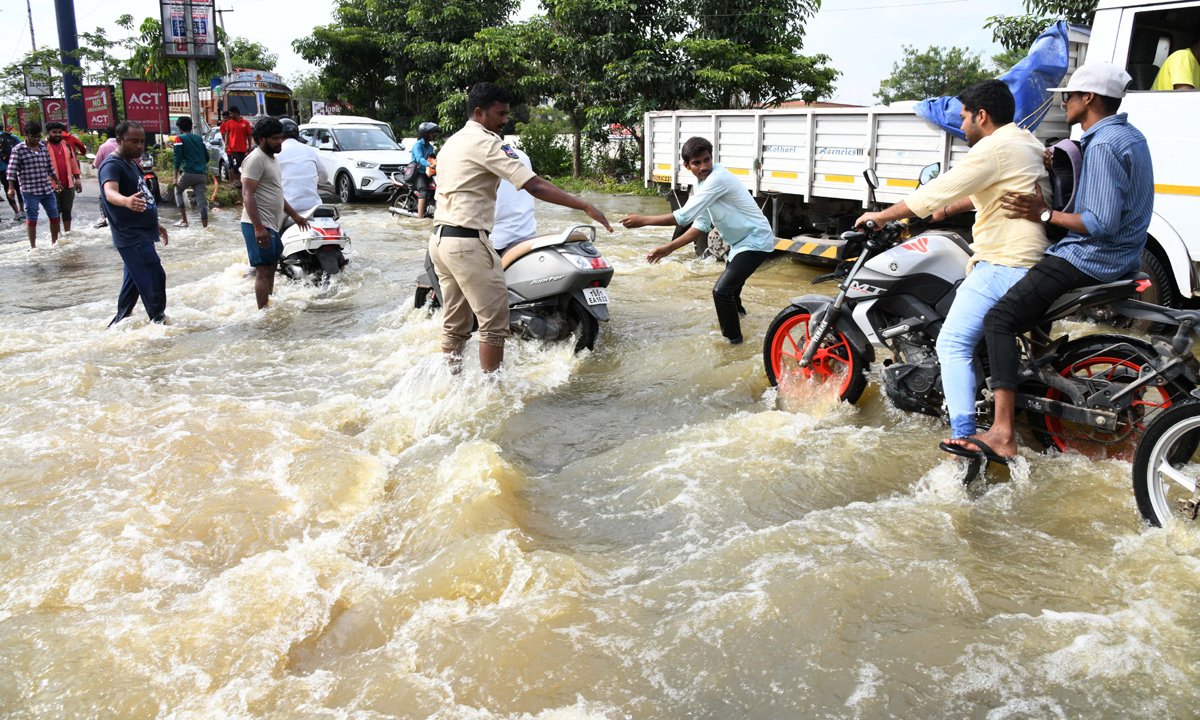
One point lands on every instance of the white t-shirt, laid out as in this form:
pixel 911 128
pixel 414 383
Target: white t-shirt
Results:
pixel 514 212
pixel 301 168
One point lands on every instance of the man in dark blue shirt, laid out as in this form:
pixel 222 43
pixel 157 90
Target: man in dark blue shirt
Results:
pixel 1104 241
pixel 132 217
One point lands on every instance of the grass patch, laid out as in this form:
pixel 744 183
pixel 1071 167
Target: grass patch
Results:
pixel 228 195
pixel 605 185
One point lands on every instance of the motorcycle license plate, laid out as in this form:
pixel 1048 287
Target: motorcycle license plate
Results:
pixel 595 296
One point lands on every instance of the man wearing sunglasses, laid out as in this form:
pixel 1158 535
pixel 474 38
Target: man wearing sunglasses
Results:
pixel 1104 238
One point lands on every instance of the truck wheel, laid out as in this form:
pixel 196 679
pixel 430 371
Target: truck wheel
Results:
pixel 345 188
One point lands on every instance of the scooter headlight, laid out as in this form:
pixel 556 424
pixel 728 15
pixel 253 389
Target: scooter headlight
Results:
pixel 587 263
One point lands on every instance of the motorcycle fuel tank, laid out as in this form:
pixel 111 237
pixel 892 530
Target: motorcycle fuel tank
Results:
pixel 935 254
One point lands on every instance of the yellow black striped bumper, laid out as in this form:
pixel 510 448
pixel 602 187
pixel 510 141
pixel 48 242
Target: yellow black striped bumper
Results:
pixel 813 249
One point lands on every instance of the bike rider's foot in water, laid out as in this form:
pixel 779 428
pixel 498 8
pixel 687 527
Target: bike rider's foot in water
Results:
pixel 1000 436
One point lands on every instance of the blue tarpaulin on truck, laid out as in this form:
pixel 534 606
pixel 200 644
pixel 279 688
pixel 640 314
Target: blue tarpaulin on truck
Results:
pixel 1044 67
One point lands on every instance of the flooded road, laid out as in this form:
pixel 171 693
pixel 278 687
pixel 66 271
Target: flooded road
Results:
pixel 299 514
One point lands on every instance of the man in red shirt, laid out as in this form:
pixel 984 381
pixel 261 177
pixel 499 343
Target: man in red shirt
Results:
pixel 66 169
pixel 236 131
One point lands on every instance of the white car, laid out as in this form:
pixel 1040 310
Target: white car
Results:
pixel 359 153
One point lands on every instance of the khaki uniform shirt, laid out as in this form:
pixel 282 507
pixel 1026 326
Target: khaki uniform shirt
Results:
pixel 1008 160
pixel 470 166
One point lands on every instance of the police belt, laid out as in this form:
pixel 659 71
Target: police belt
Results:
pixel 458 232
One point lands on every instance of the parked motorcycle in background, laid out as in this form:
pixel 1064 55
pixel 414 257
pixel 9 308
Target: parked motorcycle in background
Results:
pixel 556 287
pixel 319 252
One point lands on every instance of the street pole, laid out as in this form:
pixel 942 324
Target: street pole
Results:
pixel 225 39
pixel 32 39
pixel 68 45
pixel 193 79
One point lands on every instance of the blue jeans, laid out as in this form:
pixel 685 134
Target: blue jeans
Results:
pixel 962 331
pixel 48 203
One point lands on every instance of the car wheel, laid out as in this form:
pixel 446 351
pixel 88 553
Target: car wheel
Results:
pixel 224 170
pixel 345 188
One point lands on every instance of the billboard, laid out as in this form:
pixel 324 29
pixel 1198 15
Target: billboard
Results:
pixel 37 81
pixel 204 29
pixel 98 107
pixel 146 103
pixel 24 115
pixel 54 110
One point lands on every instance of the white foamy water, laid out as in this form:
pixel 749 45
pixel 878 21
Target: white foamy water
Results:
pixel 298 513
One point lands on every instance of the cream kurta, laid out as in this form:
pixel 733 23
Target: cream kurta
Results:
pixel 470 166
pixel 1008 160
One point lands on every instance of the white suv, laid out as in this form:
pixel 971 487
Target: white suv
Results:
pixel 359 153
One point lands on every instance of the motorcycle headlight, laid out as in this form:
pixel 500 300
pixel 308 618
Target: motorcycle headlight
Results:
pixel 366 165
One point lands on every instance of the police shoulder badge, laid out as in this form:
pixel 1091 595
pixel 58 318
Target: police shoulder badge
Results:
pixel 509 152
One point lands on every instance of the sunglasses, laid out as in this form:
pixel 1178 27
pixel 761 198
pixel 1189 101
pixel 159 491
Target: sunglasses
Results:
pixel 1066 97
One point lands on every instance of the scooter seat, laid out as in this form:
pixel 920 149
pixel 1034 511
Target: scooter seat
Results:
pixel 516 251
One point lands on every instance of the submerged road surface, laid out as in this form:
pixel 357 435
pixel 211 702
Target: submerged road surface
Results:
pixel 298 513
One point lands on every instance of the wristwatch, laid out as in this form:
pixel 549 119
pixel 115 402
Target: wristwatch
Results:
pixel 1046 215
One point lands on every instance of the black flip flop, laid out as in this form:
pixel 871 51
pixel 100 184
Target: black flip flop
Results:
pixel 984 452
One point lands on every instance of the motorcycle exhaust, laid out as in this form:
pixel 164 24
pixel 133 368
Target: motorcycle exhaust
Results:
pixel 402 211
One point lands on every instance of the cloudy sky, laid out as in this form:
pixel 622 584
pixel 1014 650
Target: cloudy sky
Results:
pixel 863 37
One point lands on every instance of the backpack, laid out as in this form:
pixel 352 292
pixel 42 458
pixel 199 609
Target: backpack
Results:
pixel 1066 162
pixel 7 143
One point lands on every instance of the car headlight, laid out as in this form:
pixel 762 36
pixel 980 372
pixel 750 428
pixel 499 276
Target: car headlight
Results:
pixel 366 165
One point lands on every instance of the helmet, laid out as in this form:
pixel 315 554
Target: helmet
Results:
pixel 425 129
pixel 290 128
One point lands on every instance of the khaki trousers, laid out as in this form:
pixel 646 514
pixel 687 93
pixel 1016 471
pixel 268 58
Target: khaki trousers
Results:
pixel 472 280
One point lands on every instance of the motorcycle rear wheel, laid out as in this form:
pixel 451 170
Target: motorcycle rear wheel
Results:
pixel 1166 468
pixel 837 359
pixel 1091 357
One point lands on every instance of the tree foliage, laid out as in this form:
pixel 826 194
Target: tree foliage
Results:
pixel 1017 32
pixel 936 72
pixel 244 53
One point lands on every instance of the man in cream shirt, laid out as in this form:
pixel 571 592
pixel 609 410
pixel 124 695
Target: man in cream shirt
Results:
pixel 1003 159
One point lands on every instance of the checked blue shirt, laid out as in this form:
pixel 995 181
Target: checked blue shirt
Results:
pixel 1116 200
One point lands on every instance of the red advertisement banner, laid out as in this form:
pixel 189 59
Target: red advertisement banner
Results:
pixel 54 109
pixel 24 115
pixel 98 106
pixel 146 103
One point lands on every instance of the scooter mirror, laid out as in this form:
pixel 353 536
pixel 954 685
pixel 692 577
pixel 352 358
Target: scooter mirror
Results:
pixel 929 172
pixel 872 178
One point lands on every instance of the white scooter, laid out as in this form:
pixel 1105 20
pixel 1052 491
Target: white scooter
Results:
pixel 318 252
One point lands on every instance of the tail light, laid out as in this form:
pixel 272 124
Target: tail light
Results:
pixel 1142 286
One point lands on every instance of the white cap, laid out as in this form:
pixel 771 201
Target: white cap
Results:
pixel 1100 78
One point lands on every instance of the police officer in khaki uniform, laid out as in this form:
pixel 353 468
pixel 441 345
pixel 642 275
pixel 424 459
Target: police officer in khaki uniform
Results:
pixel 470 166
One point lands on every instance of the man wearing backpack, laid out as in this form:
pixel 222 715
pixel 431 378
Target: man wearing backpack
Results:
pixel 8 141
pixel 1003 159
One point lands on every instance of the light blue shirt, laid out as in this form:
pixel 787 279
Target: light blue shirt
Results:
pixel 721 200
pixel 1115 200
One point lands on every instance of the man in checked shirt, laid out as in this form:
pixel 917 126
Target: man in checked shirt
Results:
pixel 30 167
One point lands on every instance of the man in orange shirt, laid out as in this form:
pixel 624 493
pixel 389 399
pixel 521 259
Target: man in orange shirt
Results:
pixel 236 131
pixel 66 169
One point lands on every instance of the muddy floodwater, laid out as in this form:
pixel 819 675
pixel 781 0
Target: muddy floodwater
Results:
pixel 298 513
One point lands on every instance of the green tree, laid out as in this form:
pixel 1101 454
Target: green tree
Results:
pixel 936 72
pixel 1007 59
pixel 1017 32
pixel 251 55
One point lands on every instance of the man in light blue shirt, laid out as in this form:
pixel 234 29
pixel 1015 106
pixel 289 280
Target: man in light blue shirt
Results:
pixel 721 201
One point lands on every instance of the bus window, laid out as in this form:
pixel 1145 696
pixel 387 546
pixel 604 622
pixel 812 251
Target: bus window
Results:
pixel 246 103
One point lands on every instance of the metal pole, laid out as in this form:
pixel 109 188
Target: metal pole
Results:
pixel 193 80
pixel 32 39
pixel 68 45
pixel 225 40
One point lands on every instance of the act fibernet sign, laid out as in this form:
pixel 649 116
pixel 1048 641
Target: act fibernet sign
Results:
pixel 146 103
pixel 204 29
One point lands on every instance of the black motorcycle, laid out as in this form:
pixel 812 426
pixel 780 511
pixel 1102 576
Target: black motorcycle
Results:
pixel 403 197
